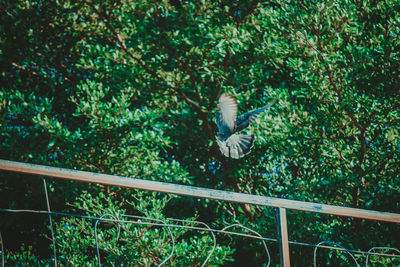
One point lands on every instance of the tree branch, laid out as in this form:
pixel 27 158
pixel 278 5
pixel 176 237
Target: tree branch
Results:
pixel 356 123
pixel 174 55
pixel 24 69
pixel 202 114
pixel 154 74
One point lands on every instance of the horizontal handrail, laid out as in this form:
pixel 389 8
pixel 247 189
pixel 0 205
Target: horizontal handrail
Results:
pixel 193 191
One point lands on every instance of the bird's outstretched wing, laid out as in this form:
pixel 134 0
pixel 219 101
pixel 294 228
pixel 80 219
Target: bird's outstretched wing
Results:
pixel 236 146
pixel 248 118
pixel 228 111
pixel 231 144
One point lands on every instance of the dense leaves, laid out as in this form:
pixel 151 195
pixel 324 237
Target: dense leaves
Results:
pixel 130 88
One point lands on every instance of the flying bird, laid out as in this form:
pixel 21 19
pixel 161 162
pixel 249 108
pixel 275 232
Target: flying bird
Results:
pixel 231 144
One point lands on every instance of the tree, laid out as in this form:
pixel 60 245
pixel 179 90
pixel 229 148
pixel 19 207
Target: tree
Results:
pixel 130 88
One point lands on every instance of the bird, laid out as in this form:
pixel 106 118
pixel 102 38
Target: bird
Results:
pixel 230 143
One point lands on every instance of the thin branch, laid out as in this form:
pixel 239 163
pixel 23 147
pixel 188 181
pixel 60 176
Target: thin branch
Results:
pixel 333 84
pixel 361 136
pixel 24 69
pixel 154 74
pixel 203 115
pixel 120 41
pixel 174 55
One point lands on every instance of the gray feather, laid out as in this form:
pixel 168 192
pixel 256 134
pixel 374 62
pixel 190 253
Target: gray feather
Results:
pixel 246 119
pixel 231 144
pixel 236 146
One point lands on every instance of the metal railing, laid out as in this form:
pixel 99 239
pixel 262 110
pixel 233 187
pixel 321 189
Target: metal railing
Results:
pixel 198 192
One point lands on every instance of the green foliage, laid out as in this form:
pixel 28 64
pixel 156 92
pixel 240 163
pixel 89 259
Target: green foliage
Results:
pixel 137 243
pixel 130 88
pixel 24 257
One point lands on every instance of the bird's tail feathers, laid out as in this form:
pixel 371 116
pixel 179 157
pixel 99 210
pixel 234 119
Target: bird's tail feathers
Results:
pixel 236 146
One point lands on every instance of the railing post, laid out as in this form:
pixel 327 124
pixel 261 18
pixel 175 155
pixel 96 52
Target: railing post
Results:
pixel 283 236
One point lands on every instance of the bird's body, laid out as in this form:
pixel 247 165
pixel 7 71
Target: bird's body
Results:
pixel 231 144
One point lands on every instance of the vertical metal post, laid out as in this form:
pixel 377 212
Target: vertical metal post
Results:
pixel 283 237
pixel 2 251
pixel 51 223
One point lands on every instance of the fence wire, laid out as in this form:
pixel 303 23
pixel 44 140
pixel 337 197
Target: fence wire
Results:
pixel 139 220
pixel 190 225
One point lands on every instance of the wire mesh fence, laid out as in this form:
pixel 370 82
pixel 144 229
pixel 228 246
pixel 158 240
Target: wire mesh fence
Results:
pixel 357 257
